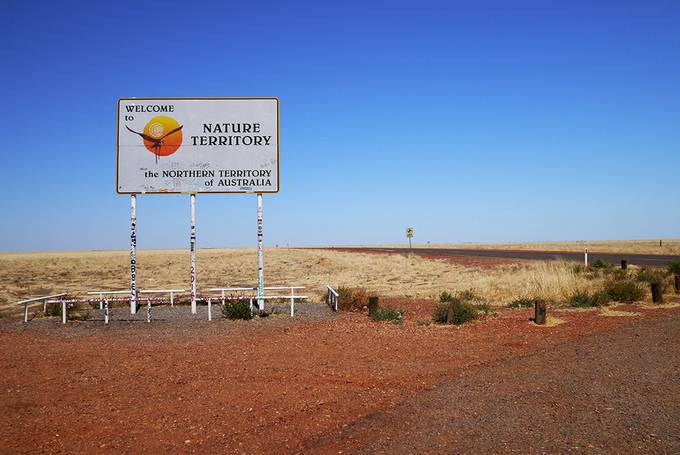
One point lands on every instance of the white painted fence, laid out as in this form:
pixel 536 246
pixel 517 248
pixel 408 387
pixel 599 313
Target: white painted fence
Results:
pixel 290 296
pixel 105 297
pixel 42 299
pixel 170 292
pixel 332 298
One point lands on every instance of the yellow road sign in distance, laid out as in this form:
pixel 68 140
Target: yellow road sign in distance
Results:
pixel 409 232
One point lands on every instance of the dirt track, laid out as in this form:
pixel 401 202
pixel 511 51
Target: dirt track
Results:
pixel 283 386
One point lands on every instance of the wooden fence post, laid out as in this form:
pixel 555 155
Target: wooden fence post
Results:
pixel 540 312
pixel 372 304
pixel 657 293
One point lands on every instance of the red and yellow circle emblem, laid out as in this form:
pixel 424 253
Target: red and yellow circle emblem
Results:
pixel 166 134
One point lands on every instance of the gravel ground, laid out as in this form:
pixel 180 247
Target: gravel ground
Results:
pixel 614 392
pixel 120 316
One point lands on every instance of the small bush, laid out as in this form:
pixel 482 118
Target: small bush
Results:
pixel 484 307
pixel 440 313
pixel 454 312
pixel 237 309
pixel 53 309
pixel 618 274
pixel 521 302
pixel 652 276
pixel 469 295
pixel 387 314
pixel 624 291
pixel 600 264
pixel 583 299
pixel 578 268
pixel 674 267
pixel 352 299
pixel 445 296
pixel 424 322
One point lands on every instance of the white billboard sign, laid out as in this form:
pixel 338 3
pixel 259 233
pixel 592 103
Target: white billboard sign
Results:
pixel 197 145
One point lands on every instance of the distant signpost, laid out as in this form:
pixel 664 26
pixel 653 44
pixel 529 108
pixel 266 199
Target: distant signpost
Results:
pixel 409 234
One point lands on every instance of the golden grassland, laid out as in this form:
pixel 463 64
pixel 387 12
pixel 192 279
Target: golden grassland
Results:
pixel 27 275
pixel 669 246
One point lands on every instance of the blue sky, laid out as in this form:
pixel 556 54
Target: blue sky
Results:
pixel 470 121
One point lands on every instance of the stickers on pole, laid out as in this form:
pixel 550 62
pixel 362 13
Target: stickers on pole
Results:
pixel 197 145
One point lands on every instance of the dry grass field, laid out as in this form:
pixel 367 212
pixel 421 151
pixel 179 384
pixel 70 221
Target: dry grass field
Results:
pixel 669 246
pixel 32 274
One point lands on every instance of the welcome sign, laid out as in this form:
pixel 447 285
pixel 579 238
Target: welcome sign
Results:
pixel 197 145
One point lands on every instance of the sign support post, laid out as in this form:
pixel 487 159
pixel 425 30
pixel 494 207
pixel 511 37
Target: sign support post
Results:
pixel 192 243
pixel 260 256
pixel 133 253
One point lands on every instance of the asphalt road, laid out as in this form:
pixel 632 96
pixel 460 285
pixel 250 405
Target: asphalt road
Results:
pixel 650 260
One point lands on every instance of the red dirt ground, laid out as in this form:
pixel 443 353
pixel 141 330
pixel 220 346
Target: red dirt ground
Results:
pixel 274 385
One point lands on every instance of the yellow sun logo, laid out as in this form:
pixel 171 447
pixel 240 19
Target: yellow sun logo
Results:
pixel 162 135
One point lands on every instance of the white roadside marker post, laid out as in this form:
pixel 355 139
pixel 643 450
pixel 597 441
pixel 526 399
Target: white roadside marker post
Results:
pixel 292 302
pixel 260 256
pixel 585 257
pixel 106 311
pixel 63 311
pixel 133 253
pixel 192 246
pixel 148 310
pixel 209 309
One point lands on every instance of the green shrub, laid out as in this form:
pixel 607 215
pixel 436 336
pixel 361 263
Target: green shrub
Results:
pixel 53 309
pixel 652 276
pixel 600 264
pixel 578 268
pixel 469 295
pixel 484 307
pixel 424 322
pixel 583 299
pixel 521 302
pixel 237 309
pixel 445 296
pixel 618 274
pixel 674 267
pixel 624 291
pixel 387 314
pixel 352 299
pixel 440 312
pixel 454 312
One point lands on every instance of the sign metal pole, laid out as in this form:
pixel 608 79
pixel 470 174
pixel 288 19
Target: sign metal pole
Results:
pixel 192 243
pixel 133 253
pixel 260 256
